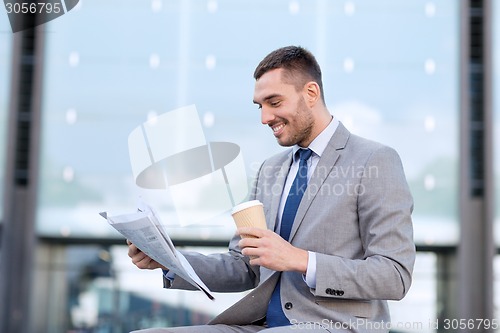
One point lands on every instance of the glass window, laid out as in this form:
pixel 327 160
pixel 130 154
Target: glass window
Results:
pixel 5 64
pixel 399 86
pixel 112 65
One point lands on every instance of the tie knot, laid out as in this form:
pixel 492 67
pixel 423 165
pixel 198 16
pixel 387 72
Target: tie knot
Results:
pixel 304 154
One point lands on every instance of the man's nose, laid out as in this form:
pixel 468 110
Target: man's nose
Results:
pixel 266 116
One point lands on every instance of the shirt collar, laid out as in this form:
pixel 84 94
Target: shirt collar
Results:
pixel 318 145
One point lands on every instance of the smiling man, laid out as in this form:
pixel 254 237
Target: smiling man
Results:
pixel 339 242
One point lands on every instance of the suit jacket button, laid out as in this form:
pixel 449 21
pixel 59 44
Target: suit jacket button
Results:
pixel 329 291
pixel 288 305
pixel 340 292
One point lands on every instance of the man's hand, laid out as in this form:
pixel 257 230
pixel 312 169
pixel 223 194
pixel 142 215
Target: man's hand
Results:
pixel 140 259
pixel 272 251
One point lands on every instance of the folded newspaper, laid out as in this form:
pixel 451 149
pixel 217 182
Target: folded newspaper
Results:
pixel 145 230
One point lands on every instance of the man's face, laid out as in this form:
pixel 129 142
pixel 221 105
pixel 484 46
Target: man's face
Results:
pixel 283 109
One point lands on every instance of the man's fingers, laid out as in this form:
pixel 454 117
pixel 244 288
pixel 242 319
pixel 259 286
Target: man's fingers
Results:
pixel 145 262
pixel 132 250
pixel 138 257
pixel 249 231
pixel 142 261
pixel 248 242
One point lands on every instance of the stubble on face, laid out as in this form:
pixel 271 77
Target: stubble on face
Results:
pixel 299 127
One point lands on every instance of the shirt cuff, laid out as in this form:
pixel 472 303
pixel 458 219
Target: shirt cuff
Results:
pixel 167 274
pixel 310 276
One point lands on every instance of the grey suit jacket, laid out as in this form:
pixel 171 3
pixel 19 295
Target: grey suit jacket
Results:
pixel 356 216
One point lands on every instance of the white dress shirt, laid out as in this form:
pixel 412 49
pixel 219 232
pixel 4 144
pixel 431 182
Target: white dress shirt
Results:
pixel 318 146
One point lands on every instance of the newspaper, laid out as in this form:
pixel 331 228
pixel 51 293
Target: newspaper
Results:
pixel 145 230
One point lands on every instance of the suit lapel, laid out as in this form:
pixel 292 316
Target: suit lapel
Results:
pixel 320 174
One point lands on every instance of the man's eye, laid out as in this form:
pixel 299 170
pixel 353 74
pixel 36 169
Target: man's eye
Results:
pixel 275 104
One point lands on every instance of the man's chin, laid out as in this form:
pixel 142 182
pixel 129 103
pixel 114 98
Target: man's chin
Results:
pixel 284 143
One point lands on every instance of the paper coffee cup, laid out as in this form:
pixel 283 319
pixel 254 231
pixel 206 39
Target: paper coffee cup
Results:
pixel 249 214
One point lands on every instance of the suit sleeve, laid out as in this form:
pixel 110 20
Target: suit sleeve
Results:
pixel 384 207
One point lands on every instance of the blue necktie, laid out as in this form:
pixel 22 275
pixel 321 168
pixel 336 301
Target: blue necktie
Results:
pixel 275 315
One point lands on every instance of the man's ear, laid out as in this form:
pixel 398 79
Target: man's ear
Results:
pixel 312 93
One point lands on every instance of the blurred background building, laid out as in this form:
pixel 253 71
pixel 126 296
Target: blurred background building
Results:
pixel 418 75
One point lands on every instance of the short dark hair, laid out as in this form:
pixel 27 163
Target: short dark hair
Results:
pixel 300 66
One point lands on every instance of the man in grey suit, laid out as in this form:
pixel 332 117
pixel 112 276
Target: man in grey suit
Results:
pixel 330 259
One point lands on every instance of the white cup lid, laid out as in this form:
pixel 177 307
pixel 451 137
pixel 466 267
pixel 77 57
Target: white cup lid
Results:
pixel 245 205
